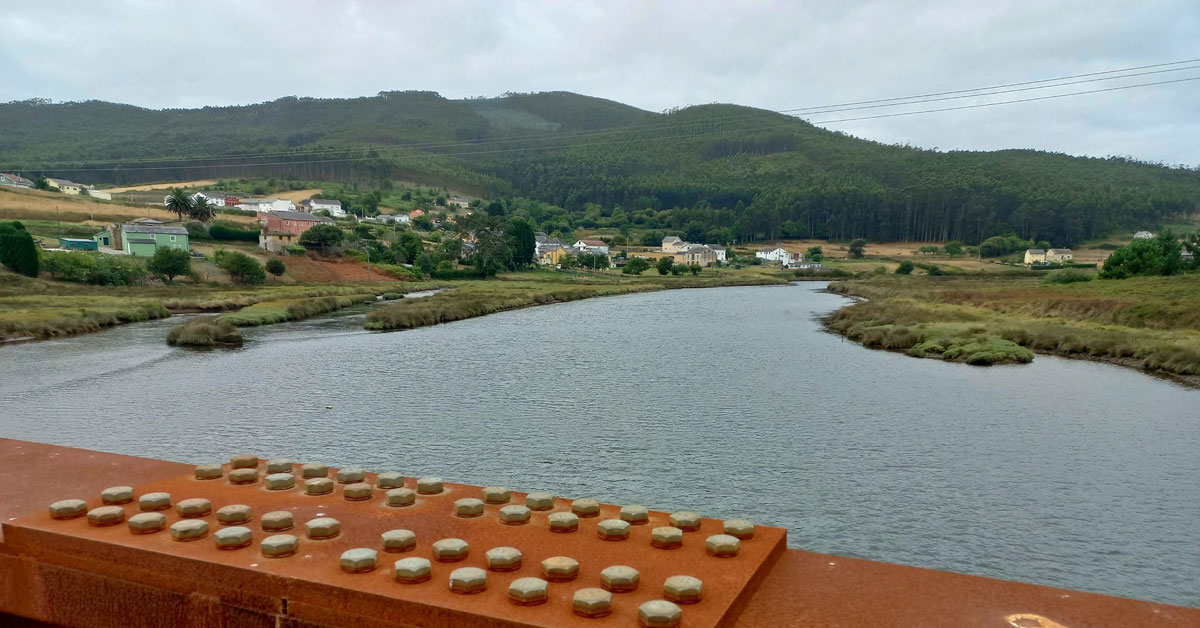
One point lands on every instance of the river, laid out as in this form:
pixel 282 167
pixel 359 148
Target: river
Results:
pixel 730 402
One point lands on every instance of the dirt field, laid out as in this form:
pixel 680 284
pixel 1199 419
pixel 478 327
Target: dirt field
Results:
pixel 300 269
pixel 296 196
pixel 163 186
pixel 38 205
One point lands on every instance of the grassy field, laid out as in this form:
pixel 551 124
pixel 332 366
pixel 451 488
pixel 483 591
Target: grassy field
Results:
pixel 1152 323
pixel 19 204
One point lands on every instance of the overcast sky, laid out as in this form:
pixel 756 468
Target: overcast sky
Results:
pixel 654 55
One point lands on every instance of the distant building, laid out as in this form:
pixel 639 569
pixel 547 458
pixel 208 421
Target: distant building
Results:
pixel 1143 235
pixel 15 180
pixel 140 240
pixel 697 254
pixel 1058 256
pixel 1035 256
pixel 216 199
pixel 334 207
pixel 718 250
pixel 1187 256
pixel 77 244
pixel 776 254
pixel 100 194
pixel 416 213
pixel 279 229
pixel 66 187
pixel 672 244
pixel 595 247
pixel 267 205
pixel 552 255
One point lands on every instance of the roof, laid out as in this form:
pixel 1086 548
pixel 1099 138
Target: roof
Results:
pixel 594 242
pixel 302 216
pixel 1060 251
pixel 61 181
pixel 77 240
pixel 16 178
pixel 715 247
pixel 322 201
pixel 671 239
pixel 146 221
pixel 699 248
pixel 1035 252
pixel 773 248
pixel 135 228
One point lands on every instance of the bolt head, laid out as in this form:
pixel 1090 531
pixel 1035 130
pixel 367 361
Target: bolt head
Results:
pixel 401 497
pixel 514 515
pixel 318 486
pixel 389 479
pixel 563 522
pixel 686 520
pixel 635 515
pixel 586 507
pixel 314 470
pixel 147 522
pixel 279 465
pixel 322 528
pixel 619 578
pixel 209 471
pixel 279 545
pixel 413 570
pixel 496 494
pixel 68 509
pixel 739 528
pixel 399 540
pixel 233 537
pixel 116 495
pixel 280 481
pixel 450 550
pixel 540 500
pixel 528 591
pixel 358 560
pixel 233 514
pixel 277 521
pixel 503 559
pixel 560 568
pixel 244 461
pixel 357 492
pixel 429 486
pixel 468 580
pixel 659 614
pixel 189 529
pixel 151 502
pixel 243 476
pixel 613 530
pixel 592 602
pixel 468 507
pixel 722 545
pixel 666 537
pixel 683 589
pixel 350 476
pixel 194 507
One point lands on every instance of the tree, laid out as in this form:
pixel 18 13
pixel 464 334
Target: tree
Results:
pixel 636 266
pixel 18 251
pixel 953 247
pixel 858 248
pixel 1156 256
pixel 179 203
pixel 426 263
pixel 407 248
pixel 694 269
pixel 493 248
pixel 450 249
pixel 202 210
pixel 276 267
pixel 664 265
pixel 524 245
pixel 495 208
pixel 815 253
pixel 242 268
pixel 170 263
pixel 322 236
pixel 41 183
pixel 905 268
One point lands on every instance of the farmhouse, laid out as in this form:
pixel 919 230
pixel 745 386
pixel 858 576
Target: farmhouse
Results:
pixel 552 255
pixel 595 247
pixel 267 205
pixel 15 180
pixel 143 240
pixel 1035 256
pixel 1058 256
pixel 775 254
pixel 333 206
pixel 65 186
pixel 280 229
pixel 672 244
pixel 697 254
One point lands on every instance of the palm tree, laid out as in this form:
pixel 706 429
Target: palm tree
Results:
pixel 179 203
pixel 202 210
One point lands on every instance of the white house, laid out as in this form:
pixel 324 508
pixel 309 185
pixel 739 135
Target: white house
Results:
pixel 1058 256
pixel 267 205
pixel 774 254
pixel 216 199
pixel 1035 256
pixel 1143 235
pixel 334 207
pixel 592 246
pixel 672 244
pixel 107 196
pixel 719 250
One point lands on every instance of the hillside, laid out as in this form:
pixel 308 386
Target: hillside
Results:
pixel 724 172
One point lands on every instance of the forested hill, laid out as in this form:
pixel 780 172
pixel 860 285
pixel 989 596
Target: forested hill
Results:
pixel 730 172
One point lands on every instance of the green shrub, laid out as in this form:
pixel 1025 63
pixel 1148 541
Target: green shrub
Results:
pixel 242 268
pixel 295 249
pixel 170 263
pixel 117 270
pixel 17 249
pixel 68 266
pixel 1066 275
pixel 905 268
pixel 276 267
pixel 204 332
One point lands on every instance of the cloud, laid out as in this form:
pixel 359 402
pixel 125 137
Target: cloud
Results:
pixel 653 55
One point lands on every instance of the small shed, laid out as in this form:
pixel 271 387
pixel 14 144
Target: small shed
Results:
pixel 77 244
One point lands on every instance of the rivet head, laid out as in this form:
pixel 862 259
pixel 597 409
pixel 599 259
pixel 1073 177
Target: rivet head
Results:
pixel 722 545
pixel 189 530
pixel 68 509
pixel 739 528
pixel 613 530
pixel 429 486
pixel 496 494
pixel 592 602
pixel 116 495
pixel 635 515
pixel 659 614
pixel 277 521
pixel 243 461
pixel 686 520
pixel 540 500
pixel 350 476
pixel 208 471
pixel 151 502
pixel 683 589
pixel 358 560
pixel 243 476
pixel 586 507
pixel 280 481
pixel 563 522
pixel 619 578
pixel 528 591
pixel 504 559
pixel 357 492
pixel 468 580
pixel 399 540
pixel 233 537
pixel 390 479
pixel 314 470
pixel 233 514
pixel 666 537
pixel 147 522
pixel 413 570
pixel 514 515
pixel 279 545
pixel 318 486
pixel 401 497
pixel 194 507
pixel 560 568
pixel 322 528
pixel 279 465
pixel 450 550
pixel 468 507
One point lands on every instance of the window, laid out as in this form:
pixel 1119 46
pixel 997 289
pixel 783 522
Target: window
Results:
pixel 172 238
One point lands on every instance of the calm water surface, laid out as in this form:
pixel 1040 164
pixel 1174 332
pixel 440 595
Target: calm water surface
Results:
pixel 731 402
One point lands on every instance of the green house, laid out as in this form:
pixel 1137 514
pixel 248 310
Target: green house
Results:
pixel 143 240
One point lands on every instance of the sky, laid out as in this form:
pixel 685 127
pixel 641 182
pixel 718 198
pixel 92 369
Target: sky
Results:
pixel 653 55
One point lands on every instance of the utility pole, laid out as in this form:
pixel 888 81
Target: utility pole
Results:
pixel 367 252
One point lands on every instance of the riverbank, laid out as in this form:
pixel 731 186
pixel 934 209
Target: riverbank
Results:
pixel 1149 323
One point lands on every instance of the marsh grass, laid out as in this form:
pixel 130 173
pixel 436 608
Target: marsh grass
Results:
pixel 279 311
pixel 205 332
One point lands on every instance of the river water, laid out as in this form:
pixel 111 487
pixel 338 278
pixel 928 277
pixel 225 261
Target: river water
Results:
pixel 730 402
